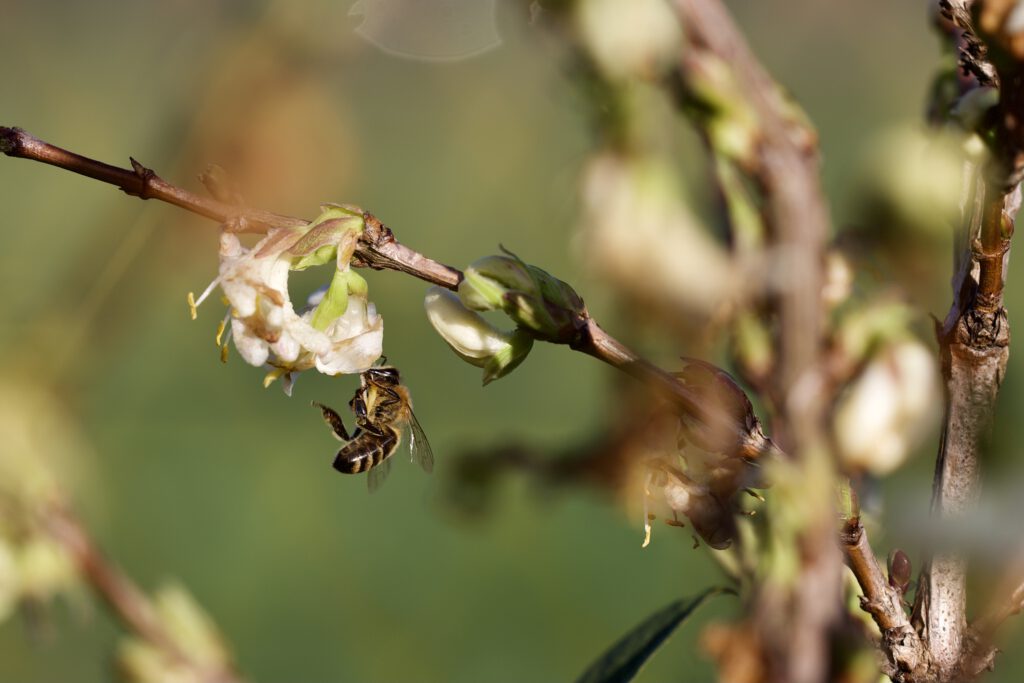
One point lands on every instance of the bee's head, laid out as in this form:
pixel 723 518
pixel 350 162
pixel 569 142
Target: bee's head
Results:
pixel 382 376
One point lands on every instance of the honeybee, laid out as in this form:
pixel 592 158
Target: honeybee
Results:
pixel 383 411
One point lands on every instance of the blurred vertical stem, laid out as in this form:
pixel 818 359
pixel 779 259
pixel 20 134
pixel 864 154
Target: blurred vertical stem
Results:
pixel 794 616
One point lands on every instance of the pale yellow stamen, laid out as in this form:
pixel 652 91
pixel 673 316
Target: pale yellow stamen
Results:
pixel 194 304
pixel 755 494
pixel 221 326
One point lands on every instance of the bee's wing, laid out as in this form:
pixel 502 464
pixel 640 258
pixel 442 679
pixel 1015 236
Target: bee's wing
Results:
pixel 376 476
pixel 419 447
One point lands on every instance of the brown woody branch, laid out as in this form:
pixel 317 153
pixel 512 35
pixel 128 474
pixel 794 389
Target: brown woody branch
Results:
pixel 125 600
pixel 378 249
pixel 974 343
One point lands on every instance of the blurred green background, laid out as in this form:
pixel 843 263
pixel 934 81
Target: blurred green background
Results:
pixel 198 473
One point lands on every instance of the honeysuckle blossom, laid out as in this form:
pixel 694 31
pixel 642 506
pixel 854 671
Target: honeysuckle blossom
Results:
pixel 338 333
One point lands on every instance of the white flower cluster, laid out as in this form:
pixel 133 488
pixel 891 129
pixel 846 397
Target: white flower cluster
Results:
pixel 339 332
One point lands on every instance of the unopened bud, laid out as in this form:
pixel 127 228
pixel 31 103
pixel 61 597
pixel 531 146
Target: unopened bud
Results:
pixel 474 339
pixel 488 281
pixel 533 298
pixel 899 570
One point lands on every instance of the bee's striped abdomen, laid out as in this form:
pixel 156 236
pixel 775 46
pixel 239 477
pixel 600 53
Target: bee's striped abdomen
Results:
pixel 366 451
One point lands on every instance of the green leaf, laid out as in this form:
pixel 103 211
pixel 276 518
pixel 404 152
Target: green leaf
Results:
pixel 624 659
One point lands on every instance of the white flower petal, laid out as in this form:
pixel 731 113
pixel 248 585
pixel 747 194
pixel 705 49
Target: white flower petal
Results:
pixel 353 355
pixel 251 348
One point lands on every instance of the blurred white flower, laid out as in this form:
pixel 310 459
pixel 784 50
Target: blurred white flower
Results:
pixel 43 452
pixel 629 39
pixel 914 178
pixel 204 655
pixel 889 408
pixel 637 232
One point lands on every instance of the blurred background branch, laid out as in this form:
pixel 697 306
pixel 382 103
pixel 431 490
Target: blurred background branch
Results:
pixel 190 648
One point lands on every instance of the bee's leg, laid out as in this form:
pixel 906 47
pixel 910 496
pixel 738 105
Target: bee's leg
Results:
pixel 371 428
pixel 358 405
pixel 334 421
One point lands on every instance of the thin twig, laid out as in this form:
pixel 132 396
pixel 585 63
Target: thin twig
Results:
pixel 903 649
pixel 378 249
pixel 979 648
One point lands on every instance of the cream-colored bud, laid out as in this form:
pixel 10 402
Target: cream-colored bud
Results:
pixel 629 39
pixel 474 339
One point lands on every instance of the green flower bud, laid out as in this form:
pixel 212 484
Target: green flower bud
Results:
pixel 533 298
pixel 489 279
pixel 474 339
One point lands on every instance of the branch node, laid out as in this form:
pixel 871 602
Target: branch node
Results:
pixel 146 176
